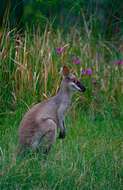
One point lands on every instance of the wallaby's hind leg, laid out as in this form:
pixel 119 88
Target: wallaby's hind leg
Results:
pixel 46 136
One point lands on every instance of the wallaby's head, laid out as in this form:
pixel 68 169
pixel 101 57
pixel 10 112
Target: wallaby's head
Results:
pixel 71 81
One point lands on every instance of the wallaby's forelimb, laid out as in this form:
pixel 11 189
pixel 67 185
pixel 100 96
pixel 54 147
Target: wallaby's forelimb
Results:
pixel 62 133
pixel 61 115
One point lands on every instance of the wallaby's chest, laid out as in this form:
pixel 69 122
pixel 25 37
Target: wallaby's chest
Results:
pixel 63 109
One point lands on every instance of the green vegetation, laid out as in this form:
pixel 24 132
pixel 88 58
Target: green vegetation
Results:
pixel 91 156
pixel 105 16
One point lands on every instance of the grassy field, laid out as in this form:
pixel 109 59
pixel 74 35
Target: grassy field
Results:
pixel 91 156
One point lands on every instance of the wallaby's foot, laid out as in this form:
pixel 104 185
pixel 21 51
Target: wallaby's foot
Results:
pixel 62 135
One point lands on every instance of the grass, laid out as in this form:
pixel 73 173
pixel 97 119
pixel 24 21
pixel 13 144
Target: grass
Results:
pixel 91 156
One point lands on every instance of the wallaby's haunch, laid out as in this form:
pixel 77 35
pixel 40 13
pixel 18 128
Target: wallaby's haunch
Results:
pixel 38 127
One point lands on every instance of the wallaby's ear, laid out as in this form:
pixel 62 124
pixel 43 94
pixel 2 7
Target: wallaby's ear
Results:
pixel 65 71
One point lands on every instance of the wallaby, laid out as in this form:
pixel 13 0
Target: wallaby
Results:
pixel 38 127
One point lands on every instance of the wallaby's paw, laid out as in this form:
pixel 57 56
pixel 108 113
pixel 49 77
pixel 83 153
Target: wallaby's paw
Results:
pixel 62 135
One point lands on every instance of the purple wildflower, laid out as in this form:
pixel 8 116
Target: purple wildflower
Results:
pixel 74 58
pixel 96 58
pixel 87 71
pixel 58 48
pixel 83 73
pixel 118 61
pixel 57 52
pixel 78 61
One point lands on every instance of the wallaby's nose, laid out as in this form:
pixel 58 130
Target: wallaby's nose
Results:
pixel 82 88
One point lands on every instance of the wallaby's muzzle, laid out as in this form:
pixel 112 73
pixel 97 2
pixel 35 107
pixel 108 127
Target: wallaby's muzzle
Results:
pixel 81 87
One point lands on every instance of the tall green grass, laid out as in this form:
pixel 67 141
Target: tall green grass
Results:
pixel 91 155
pixel 30 65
